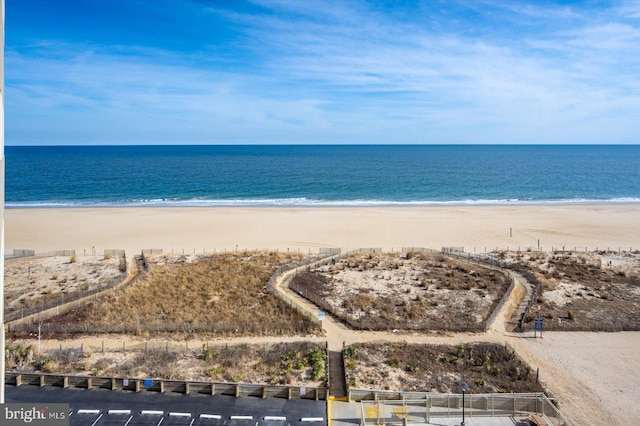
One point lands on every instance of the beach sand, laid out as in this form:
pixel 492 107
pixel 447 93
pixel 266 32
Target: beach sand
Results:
pixel 476 228
pixel 593 374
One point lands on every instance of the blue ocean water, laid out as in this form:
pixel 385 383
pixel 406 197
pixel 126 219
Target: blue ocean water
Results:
pixel 351 175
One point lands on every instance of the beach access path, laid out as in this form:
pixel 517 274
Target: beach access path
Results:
pixel 569 363
pixel 592 374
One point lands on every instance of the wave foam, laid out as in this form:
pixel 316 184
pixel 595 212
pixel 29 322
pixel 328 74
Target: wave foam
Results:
pixel 306 202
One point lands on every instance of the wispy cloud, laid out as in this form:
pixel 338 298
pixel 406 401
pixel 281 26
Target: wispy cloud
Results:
pixel 297 72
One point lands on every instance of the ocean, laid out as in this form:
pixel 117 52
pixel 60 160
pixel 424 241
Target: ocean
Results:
pixel 319 175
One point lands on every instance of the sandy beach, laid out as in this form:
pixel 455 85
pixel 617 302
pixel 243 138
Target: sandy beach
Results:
pixel 476 228
pixel 593 389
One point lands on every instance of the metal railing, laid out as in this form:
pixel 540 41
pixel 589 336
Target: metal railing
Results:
pixel 402 408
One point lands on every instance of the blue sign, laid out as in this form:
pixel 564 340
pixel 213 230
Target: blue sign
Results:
pixel 538 324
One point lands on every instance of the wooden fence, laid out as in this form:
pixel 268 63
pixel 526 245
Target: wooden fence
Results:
pixel 60 299
pixel 165 386
pixel 385 324
pixel 221 328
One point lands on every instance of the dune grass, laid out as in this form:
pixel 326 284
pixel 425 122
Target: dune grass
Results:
pixel 223 293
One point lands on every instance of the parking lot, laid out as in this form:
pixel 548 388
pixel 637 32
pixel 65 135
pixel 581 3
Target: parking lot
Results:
pixel 104 407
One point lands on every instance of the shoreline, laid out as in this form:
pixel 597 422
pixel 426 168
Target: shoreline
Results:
pixel 287 204
pixel 475 227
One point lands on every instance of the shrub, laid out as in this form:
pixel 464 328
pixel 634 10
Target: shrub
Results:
pixel 49 365
pixel 350 352
pixel 318 359
pixel 413 368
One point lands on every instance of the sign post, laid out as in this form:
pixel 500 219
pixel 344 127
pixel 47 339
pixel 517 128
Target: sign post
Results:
pixel 538 327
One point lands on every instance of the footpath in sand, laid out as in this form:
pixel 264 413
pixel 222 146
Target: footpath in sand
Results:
pixel 571 364
pixel 591 374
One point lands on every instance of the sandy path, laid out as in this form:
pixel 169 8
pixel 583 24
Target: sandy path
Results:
pixel 113 343
pixel 570 364
pixel 594 375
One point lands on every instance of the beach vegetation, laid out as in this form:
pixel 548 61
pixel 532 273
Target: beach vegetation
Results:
pixel 392 292
pixel 581 290
pixel 487 367
pixel 224 294
pixel 28 281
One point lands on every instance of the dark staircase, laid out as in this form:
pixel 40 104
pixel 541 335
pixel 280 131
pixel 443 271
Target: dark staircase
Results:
pixel 337 379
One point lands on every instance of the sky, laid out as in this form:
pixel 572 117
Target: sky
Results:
pixel 101 72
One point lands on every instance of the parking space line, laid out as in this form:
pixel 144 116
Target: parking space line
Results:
pixel 83 411
pixel 210 416
pixel 127 423
pixel 160 422
pixel 97 420
pixel 151 413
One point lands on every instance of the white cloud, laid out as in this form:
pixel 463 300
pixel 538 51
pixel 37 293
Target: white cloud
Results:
pixel 346 71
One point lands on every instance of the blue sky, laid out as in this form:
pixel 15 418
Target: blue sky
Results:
pixel 297 72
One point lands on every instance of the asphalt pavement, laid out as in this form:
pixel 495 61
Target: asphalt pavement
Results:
pixel 98 407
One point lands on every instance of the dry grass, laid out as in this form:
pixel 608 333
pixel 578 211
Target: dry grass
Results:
pixel 300 363
pixel 486 367
pixel 31 281
pixel 419 291
pixel 216 292
pixel 583 291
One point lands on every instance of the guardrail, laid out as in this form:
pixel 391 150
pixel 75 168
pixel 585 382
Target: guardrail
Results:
pixel 165 386
pixel 400 408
